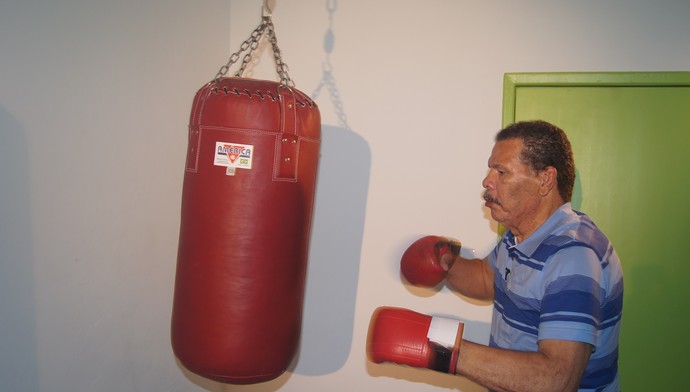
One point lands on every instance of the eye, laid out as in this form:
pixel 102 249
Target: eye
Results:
pixel 499 170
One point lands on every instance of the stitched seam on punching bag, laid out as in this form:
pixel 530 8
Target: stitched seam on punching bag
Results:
pixel 278 159
pixel 201 102
pixel 195 124
pixel 276 165
pixel 253 131
pixel 250 131
pixel 240 130
pixel 195 108
pixel 193 168
pixel 288 126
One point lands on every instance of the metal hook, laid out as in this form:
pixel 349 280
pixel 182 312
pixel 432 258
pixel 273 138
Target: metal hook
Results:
pixel 331 5
pixel 266 9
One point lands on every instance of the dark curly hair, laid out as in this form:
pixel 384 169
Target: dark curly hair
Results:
pixel 544 145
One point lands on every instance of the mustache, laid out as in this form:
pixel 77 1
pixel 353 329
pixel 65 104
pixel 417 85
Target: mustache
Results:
pixel 490 198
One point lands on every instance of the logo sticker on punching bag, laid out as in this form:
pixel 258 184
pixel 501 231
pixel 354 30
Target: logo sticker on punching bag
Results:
pixel 233 156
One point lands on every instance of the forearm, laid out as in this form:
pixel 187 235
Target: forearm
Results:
pixel 515 371
pixel 472 278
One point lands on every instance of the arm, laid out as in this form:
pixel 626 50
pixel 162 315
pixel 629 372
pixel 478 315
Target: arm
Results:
pixel 470 277
pixel 409 338
pixel 558 365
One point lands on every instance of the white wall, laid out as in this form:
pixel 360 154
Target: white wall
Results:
pixel 94 103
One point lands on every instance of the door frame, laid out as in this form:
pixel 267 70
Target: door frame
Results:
pixel 513 81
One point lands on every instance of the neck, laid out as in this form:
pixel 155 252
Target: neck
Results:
pixel 527 227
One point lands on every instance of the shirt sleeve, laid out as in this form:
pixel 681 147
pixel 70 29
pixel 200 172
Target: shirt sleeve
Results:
pixel 571 306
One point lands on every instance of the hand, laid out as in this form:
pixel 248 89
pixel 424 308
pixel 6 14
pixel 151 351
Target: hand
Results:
pixel 448 258
pixel 426 262
pixel 406 337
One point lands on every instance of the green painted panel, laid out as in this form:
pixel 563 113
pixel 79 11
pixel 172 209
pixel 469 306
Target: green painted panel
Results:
pixel 631 139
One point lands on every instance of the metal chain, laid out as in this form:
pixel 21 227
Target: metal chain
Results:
pixel 281 67
pixel 252 44
pixel 248 57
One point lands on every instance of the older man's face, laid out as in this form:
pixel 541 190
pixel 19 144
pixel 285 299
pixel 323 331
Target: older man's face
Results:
pixel 511 187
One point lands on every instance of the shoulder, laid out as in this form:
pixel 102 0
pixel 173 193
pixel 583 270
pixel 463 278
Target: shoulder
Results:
pixel 575 253
pixel 575 230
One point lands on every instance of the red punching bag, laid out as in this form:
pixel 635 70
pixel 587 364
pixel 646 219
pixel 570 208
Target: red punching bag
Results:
pixel 247 203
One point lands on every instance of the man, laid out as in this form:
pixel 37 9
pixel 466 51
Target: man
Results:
pixel 554 278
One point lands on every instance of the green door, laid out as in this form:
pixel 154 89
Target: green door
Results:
pixel 630 134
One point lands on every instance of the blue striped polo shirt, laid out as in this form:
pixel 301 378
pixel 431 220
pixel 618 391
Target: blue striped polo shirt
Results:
pixel 563 282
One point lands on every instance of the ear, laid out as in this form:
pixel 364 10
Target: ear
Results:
pixel 548 181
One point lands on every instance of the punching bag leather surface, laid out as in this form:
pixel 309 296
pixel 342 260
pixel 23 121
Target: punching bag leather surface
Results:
pixel 247 203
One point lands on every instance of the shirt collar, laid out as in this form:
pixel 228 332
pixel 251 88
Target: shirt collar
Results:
pixel 528 246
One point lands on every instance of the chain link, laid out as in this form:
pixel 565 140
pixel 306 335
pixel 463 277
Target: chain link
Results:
pixel 281 67
pixel 250 45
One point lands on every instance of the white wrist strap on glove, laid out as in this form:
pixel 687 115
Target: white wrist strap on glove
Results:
pixel 447 332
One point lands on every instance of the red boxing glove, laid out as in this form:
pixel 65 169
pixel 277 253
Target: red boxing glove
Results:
pixel 409 338
pixel 421 262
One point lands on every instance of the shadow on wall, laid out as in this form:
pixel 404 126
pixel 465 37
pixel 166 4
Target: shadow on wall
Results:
pixel 337 234
pixel 336 245
pixel 18 363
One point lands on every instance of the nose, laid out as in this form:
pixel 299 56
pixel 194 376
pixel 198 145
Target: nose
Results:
pixel 487 183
